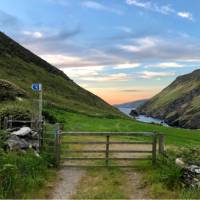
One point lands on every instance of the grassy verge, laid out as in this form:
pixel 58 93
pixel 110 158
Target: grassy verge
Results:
pixel 164 179
pixel 22 174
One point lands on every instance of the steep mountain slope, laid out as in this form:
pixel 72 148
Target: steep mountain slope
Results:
pixel 179 103
pixel 22 68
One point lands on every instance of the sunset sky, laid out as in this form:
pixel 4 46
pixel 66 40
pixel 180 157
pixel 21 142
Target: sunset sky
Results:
pixel 121 50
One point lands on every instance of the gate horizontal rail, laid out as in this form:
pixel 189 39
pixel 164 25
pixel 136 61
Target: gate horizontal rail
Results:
pixel 106 158
pixel 108 133
pixel 155 138
pixel 106 142
pixel 103 151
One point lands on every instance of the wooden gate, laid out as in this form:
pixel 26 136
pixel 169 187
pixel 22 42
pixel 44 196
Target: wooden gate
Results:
pixel 64 143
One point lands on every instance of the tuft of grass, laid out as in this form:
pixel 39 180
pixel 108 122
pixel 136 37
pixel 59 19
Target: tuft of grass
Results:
pixel 102 183
pixel 164 179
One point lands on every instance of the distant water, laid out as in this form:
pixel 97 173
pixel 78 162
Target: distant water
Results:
pixel 143 118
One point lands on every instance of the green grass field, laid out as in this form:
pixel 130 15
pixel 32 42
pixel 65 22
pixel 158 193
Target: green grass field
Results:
pixel 80 122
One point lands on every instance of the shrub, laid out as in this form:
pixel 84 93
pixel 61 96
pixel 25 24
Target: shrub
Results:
pixel 169 173
pixel 16 111
pixel 3 136
pixel 49 117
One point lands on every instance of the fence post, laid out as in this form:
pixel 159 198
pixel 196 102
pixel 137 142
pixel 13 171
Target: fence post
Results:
pixel 10 122
pixel 57 146
pixel 107 149
pixel 42 130
pixel 154 148
pixel 5 123
pixel 161 144
pixel 32 123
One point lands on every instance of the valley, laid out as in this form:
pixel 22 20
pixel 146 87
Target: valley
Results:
pixel 28 173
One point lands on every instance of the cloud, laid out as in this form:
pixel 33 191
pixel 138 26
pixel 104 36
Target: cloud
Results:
pixel 108 78
pixel 94 5
pixel 62 50
pixel 140 45
pixel 185 15
pixel 61 35
pixel 60 2
pixel 124 29
pixel 100 7
pixel 63 61
pixel 132 90
pixel 127 66
pixel 34 34
pixel 150 74
pixel 159 49
pixel 94 74
pixel 83 72
pixel 166 65
pixel 163 9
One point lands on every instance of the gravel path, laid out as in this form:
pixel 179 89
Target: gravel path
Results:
pixel 69 179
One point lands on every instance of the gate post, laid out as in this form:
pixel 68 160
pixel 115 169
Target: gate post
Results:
pixel 154 148
pixel 161 144
pixel 107 149
pixel 57 146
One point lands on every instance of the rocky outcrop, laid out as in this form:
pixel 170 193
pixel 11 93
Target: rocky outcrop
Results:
pixel 23 139
pixel 178 104
pixel 133 113
pixel 9 91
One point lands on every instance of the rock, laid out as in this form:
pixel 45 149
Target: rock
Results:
pixel 191 176
pixel 24 138
pixel 194 169
pixel 180 163
pixel 133 113
pixel 33 144
pixel 22 132
pixel 36 154
pixel 16 143
pixel 34 135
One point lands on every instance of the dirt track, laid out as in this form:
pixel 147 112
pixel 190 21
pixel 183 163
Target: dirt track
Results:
pixel 70 177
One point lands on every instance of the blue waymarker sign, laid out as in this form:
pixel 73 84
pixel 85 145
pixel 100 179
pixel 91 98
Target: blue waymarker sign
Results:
pixel 36 87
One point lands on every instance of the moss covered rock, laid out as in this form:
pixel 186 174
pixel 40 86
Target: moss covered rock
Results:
pixel 9 91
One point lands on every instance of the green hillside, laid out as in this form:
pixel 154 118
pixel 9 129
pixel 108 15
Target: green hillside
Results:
pixel 179 103
pixel 22 68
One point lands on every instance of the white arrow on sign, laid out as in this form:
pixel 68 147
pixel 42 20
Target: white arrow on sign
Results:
pixel 36 86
